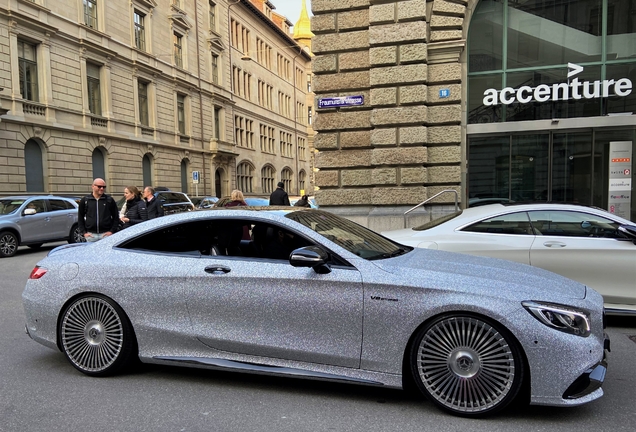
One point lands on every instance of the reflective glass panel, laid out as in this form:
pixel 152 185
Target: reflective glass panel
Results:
pixel 529 167
pixel 572 167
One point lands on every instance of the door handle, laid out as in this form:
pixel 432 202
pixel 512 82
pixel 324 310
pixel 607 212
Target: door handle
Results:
pixel 217 268
pixel 554 244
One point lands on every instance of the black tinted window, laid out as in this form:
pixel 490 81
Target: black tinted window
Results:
pixel 58 204
pixel 514 223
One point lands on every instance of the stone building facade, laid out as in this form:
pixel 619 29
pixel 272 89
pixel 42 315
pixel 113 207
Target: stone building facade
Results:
pixel 147 91
pixel 404 144
pixel 488 98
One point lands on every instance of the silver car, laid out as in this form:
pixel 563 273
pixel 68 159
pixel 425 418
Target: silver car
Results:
pixel 301 292
pixel 35 220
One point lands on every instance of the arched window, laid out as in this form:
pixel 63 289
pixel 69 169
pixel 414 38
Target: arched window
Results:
pixel 267 178
pixel 244 177
pixel 302 175
pixel 34 169
pixel 147 169
pixel 99 165
pixel 184 176
pixel 286 178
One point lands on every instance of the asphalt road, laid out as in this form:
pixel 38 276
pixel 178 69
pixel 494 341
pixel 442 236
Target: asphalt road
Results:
pixel 41 391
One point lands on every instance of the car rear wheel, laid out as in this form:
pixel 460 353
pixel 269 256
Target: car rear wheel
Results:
pixel 8 244
pixel 96 336
pixel 75 236
pixel 467 365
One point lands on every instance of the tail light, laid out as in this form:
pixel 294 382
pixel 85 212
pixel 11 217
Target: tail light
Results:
pixel 37 272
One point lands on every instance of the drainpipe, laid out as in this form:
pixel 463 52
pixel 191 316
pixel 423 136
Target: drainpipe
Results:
pixel 196 27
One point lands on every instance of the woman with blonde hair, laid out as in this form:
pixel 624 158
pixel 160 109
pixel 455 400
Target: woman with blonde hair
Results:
pixel 237 199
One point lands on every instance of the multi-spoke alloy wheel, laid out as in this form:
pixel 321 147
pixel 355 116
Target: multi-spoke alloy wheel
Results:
pixel 76 236
pixel 96 336
pixel 8 244
pixel 466 365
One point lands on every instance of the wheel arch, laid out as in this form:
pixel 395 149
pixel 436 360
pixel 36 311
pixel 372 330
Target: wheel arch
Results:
pixel 408 381
pixel 12 231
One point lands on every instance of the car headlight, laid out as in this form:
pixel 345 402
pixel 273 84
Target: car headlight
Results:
pixel 559 317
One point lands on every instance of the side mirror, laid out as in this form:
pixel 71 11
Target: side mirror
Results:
pixel 628 231
pixel 29 211
pixel 310 256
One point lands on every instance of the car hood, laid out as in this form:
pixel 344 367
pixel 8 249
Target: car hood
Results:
pixel 451 270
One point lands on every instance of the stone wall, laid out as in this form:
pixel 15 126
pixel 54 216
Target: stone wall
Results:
pixel 404 144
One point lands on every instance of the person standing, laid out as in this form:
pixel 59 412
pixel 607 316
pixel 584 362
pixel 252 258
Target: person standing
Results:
pixel 154 207
pixel 135 207
pixel 97 213
pixel 279 196
pixel 303 202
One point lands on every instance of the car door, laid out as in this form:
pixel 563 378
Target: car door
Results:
pixel 508 236
pixel 60 218
pixel 33 227
pixel 267 308
pixel 587 248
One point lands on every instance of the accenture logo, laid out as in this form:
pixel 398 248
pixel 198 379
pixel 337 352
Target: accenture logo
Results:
pixel 573 89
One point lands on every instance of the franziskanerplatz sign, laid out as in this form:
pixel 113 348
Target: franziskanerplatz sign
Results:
pixel 572 89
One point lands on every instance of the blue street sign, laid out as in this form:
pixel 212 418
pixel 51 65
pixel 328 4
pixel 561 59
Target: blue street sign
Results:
pixel 334 102
pixel 195 176
pixel 444 93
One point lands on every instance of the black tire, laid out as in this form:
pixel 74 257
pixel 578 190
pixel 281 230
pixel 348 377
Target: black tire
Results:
pixel 75 236
pixel 36 245
pixel 96 336
pixel 467 365
pixel 8 244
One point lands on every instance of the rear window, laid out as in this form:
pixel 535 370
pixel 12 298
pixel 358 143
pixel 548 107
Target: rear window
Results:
pixel 436 222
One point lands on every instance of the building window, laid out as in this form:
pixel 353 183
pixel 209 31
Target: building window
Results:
pixel 301 181
pixel 240 37
pixel 244 177
pixel 286 144
pixel 249 134
pixel 217 123
pixel 177 42
pixel 215 68
pixel 283 67
pixel 90 13
pixel 284 103
pixel 263 54
pixel 265 92
pixel 286 178
pixel 267 138
pixel 181 120
pixel 28 67
pixel 299 77
pixel 267 179
pixel 239 131
pixel 142 95
pixel 300 109
pixel 302 148
pixel 212 16
pixel 94 95
pixel 309 115
pixel 140 32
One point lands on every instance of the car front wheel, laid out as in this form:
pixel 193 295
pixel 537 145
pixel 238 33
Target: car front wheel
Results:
pixel 8 244
pixel 96 336
pixel 467 365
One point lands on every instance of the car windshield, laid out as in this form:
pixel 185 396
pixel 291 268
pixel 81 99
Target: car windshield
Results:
pixel 436 222
pixel 172 197
pixel 8 206
pixel 349 235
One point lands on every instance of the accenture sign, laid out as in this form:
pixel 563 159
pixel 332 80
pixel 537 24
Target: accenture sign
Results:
pixel 573 89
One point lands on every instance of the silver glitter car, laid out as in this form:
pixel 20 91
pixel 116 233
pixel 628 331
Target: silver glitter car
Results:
pixel 302 292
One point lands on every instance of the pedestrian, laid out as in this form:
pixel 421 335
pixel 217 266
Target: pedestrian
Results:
pixel 303 202
pixel 97 213
pixel 279 196
pixel 135 207
pixel 237 199
pixel 154 207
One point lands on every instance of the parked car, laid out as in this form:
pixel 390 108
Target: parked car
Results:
pixel 586 244
pixel 312 201
pixel 206 202
pixel 250 201
pixel 318 296
pixel 35 220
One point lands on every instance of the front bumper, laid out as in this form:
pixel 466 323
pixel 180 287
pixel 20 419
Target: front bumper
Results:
pixel 592 379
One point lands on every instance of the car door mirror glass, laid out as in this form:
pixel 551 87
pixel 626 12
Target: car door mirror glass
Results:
pixel 586 225
pixel 310 256
pixel 29 211
pixel 629 231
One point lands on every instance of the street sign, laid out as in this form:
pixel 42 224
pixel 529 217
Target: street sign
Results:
pixel 340 101
pixel 195 177
pixel 444 93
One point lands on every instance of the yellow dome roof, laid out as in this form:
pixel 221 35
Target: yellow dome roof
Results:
pixel 302 28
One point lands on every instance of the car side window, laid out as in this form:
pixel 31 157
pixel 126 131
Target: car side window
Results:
pixel 58 204
pixel 38 205
pixel 574 224
pixel 513 223
pixel 189 238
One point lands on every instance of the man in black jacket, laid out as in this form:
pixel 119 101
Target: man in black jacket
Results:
pixel 154 207
pixel 279 196
pixel 98 216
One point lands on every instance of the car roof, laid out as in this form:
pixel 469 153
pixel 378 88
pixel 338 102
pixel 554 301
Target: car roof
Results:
pixel 24 197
